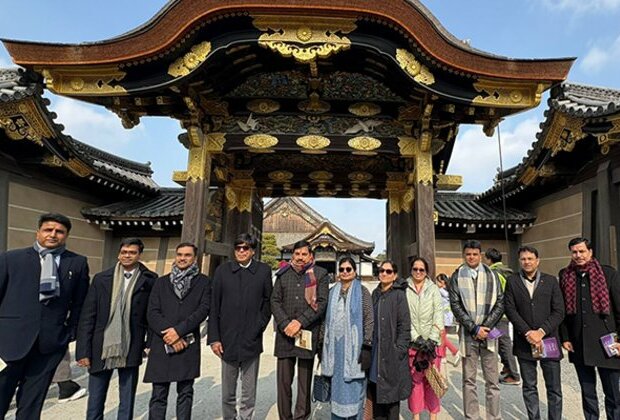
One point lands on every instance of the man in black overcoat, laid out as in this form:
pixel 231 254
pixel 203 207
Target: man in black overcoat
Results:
pixel 112 329
pixel 592 300
pixel 42 289
pixel 178 304
pixel 298 301
pixel 240 312
pixel 534 305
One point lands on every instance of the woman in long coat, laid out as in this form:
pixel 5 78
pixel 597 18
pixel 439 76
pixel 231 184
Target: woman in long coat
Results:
pixel 347 341
pixel 427 313
pixel 389 379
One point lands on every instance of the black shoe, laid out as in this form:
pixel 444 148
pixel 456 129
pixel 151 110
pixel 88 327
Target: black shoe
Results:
pixel 70 391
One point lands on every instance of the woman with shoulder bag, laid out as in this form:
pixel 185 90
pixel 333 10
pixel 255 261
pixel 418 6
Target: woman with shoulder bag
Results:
pixel 426 311
pixel 347 340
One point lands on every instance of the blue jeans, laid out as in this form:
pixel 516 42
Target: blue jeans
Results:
pixel 98 384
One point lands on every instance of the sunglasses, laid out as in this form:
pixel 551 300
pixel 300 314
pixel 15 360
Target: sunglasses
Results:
pixel 242 248
pixel 343 269
pixel 386 271
pixel 418 270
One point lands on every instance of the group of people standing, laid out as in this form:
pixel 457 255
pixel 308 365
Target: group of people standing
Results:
pixel 376 349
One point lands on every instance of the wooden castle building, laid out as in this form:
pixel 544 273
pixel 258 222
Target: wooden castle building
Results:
pixel 284 98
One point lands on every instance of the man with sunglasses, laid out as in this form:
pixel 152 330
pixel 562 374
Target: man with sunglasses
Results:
pixel 298 301
pixel 240 312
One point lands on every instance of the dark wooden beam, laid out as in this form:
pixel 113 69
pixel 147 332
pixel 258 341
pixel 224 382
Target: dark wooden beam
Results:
pixel 4 210
pixel 603 213
pixel 425 226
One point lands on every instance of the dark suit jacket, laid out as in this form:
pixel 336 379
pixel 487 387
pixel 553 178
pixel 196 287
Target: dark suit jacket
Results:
pixel 545 309
pixel 96 313
pixel 240 309
pixel 23 318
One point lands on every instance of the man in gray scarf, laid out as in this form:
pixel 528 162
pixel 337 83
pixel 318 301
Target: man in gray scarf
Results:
pixel 112 329
pixel 42 289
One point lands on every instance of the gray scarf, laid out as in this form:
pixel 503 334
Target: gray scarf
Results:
pixel 49 284
pixel 117 334
pixel 182 279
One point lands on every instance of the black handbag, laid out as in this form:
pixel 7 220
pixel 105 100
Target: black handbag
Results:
pixel 321 388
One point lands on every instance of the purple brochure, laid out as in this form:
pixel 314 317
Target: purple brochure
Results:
pixel 494 334
pixel 607 340
pixel 551 348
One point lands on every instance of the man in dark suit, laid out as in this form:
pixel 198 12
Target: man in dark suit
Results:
pixel 535 306
pixel 240 312
pixel 112 329
pixel 592 300
pixel 42 289
pixel 298 301
pixel 178 304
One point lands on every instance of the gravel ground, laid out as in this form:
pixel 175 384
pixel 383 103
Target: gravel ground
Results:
pixel 207 394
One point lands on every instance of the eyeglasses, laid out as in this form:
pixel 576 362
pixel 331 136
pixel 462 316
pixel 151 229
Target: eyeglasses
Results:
pixel 242 248
pixel 386 271
pixel 343 269
pixel 418 270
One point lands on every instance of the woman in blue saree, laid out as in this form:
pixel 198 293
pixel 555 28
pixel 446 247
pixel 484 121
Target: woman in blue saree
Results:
pixel 347 340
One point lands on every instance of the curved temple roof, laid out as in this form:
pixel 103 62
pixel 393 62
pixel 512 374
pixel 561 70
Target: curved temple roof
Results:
pixel 168 27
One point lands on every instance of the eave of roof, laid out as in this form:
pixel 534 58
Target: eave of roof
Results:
pixel 173 21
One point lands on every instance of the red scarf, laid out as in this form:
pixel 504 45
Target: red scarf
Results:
pixel 598 287
pixel 310 282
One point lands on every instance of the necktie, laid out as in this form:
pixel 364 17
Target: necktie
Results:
pixel 128 275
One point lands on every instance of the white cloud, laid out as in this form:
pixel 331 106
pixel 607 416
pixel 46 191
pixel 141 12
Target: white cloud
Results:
pixel 583 6
pixel 597 58
pixel 476 156
pixel 94 125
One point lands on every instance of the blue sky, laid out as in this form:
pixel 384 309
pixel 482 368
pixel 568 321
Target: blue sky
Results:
pixel 588 30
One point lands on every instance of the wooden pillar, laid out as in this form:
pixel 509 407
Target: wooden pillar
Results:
pixel 603 213
pixel 241 196
pixel 197 180
pixel 424 203
pixel 400 227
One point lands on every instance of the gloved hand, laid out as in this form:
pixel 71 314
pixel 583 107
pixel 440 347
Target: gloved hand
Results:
pixel 365 358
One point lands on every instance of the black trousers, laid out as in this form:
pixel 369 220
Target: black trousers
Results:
pixel 553 384
pixel 159 400
pixel 382 411
pixel 610 380
pixel 33 375
pixel 285 371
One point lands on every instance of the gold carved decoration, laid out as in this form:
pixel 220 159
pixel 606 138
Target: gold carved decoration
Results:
pixel 364 109
pixel 605 141
pixel 400 195
pixel 280 176
pixel 364 145
pixel 320 176
pixel 263 106
pixel 529 176
pixel 507 94
pixel 563 133
pixel 360 177
pixel 53 161
pixel 260 143
pixel 78 167
pixel 23 120
pixel 183 66
pixel 304 38
pixel 313 144
pixel 314 105
pixel 81 81
pixel 239 191
pixel 414 68
pixel 449 182
pixel 410 147
pixel 199 158
pixel 215 142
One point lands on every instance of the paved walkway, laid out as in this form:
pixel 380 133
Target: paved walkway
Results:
pixel 207 395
